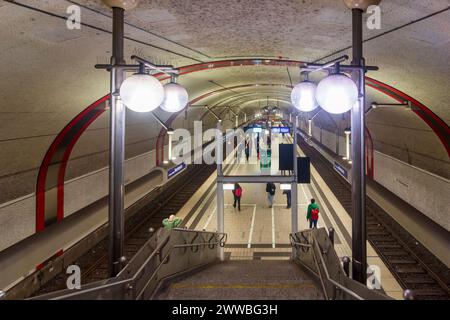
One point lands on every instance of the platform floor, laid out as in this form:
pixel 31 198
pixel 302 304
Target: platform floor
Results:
pixel 262 233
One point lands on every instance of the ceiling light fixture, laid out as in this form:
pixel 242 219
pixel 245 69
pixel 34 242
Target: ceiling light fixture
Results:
pixel 337 93
pixel 142 92
pixel 176 97
pixel 303 96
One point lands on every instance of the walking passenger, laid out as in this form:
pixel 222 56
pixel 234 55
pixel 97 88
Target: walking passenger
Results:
pixel 313 214
pixel 257 146
pixel 270 189
pixel 247 151
pixel 171 222
pixel 237 193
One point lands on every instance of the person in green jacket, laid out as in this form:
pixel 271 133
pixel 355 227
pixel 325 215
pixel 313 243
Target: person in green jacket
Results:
pixel 313 214
pixel 171 222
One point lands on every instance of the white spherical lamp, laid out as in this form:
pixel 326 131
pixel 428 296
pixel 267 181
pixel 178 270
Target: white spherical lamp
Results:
pixel 337 93
pixel 176 97
pixel 303 96
pixel 142 92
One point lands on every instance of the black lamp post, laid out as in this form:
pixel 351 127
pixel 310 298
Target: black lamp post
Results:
pixel 359 250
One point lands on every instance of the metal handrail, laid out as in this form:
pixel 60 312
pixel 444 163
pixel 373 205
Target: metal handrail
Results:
pixel 320 276
pixel 122 282
pixel 162 262
pixel 327 274
pixel 301 244
pixel 198 231
pixel 322 273
pixel 294 243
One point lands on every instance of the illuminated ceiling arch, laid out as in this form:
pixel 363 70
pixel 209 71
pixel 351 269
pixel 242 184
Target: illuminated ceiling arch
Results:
pixel 67 138
pixel 440 128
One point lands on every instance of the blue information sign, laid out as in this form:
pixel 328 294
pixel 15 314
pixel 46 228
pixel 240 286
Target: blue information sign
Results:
pixel 281 129
pixel 175 170
pixel 340 169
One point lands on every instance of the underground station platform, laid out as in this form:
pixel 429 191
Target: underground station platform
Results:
pixel 303 156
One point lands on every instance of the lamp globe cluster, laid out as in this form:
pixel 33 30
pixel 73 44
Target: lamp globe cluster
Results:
pixel 336 94
pixel 176 97
pixel 142 92
pixel 303 96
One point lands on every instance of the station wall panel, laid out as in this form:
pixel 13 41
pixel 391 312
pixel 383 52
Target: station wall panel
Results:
pixel 423 190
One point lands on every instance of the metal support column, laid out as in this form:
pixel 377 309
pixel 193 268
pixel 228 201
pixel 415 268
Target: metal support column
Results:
pixel 294 195
pixel 294 191
pixel 169 151
pixel 347 146
pixel 219 188
pixel 337 141
pixel 359 254
pixel 117 148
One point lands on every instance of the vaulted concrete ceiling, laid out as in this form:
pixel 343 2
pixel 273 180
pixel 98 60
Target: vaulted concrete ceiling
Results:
pixel 411 57
pixel 48 73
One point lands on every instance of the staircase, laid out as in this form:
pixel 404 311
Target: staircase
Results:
pixel 244 280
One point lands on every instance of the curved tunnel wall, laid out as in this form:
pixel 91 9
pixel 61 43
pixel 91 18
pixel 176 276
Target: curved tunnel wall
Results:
pixel 188 69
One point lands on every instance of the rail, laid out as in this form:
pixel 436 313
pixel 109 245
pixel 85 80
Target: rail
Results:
pixel 167 253
pixel 314 250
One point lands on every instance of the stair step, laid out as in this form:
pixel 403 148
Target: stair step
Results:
pixel 418 280
pixel 389 246
pixel 245 279
pixel 403 261
pixel 395 253
pixel 409 269
pixel 428 292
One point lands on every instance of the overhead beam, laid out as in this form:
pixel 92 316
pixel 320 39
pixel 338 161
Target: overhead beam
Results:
pixel 255 179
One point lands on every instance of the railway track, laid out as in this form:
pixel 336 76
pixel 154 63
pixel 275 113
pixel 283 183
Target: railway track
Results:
pixel 410 262
pixel 94 263
pixel 415 267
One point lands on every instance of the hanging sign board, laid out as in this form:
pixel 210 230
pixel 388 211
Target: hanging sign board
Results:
pixel 175 170
pixel 340 169
pixel 281 129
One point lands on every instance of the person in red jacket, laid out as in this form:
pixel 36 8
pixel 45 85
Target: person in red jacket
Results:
pixel 237 193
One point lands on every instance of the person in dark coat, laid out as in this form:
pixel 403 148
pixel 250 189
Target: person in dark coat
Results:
pixel 288 198
pixel 270 189
pixel 247 149
pixel 237 193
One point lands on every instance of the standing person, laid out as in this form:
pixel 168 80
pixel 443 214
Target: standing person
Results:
pixel 313 214
pixel 247 150
pixel 257 146
pixel 269 142
pixel 270 189
pixel 288 198
pixel 237 193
